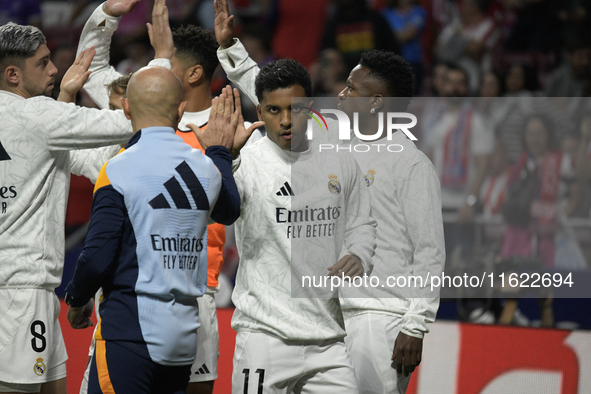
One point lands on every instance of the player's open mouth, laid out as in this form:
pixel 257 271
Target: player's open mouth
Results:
pixel 286 135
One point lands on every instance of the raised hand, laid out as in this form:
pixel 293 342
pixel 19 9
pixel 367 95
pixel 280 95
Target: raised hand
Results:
pixel 222 123
pixel 119 7
pixel 224 24
pixel 76 76
pixel 159 31
pixel 242 133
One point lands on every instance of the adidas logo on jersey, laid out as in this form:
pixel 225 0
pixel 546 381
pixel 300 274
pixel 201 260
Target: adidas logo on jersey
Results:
pixel 202 370
pixel 285 190
pixel 178 195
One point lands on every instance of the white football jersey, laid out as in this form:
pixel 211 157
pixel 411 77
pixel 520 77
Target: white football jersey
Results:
pixel 36 137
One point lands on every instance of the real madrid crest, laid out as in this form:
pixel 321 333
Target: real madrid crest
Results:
pixel 369 177
pixel 39 367
pixel 334 186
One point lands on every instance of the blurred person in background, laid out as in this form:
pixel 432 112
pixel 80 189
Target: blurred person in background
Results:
pixel 329 74
pixel 460 146
pixel 521 79
pixel 546 175
pixel 435 106
pixel 491 85
pixel 573 16
pixel 407 21
pixel 470 40
pixel 63 57
pixel 355 28
pixel 573 77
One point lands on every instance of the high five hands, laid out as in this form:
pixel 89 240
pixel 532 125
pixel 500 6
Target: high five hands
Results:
pixel 226 123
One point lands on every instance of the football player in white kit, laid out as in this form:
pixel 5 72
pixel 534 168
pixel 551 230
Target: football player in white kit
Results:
pixel 36 136
pixel 286 344
pixel 382 324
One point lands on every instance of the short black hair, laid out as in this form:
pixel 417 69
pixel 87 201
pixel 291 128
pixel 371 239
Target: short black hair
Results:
pixel 198 46
pixel 281 74
pixel 391 69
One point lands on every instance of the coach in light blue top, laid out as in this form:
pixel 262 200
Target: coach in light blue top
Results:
pixel 146 246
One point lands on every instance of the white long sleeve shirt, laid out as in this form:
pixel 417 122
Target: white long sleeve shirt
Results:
pixel 37 134
pixel 406 201
pixel 291 224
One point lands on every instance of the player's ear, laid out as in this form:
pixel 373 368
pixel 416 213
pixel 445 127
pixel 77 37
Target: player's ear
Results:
pixel 195 73
pixel 181 110
pixel 125 107
pixel 377 101
pixel 12 75
pixel 259 112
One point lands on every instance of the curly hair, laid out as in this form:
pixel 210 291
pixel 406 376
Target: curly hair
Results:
pixel 392 70
pixel 197 46
pixel 119 85
pixel 280 74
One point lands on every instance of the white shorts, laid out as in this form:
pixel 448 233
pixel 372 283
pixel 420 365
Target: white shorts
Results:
pixel 370 340
pixel 265 363
pixel 205 367
pixel 31 337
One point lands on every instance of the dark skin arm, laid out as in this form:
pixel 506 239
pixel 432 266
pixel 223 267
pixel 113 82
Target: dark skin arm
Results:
pixel 407 353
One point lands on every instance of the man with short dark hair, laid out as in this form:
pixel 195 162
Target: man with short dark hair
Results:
pixel 382 324
pixel 573 78
pixel 287 344
pixel 35 140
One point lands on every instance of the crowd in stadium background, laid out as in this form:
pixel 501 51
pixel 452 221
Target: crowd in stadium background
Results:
pixel 510 49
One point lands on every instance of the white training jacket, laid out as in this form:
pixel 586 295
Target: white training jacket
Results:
pixel 37 135
pixel 293 223
pixel 406 201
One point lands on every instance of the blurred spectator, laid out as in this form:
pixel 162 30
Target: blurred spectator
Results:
pixel 494 188
pixel 63 57
pixel 519 78
pixel 434 107
pixel 438 79
pixel 470 40
pixel 491 88
pixel 256 39
pixel 407 21
pixel 573 16
pixel 354 29
pixel 549 174
pixel 329 74
pixel 132 31
pixel 460 145
pixel 573 77
pixel 22 12
pixel 542 192
pixel 139 53
pixel 182 11
pixel 298 29
pixel 535 28
pixel 491 85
